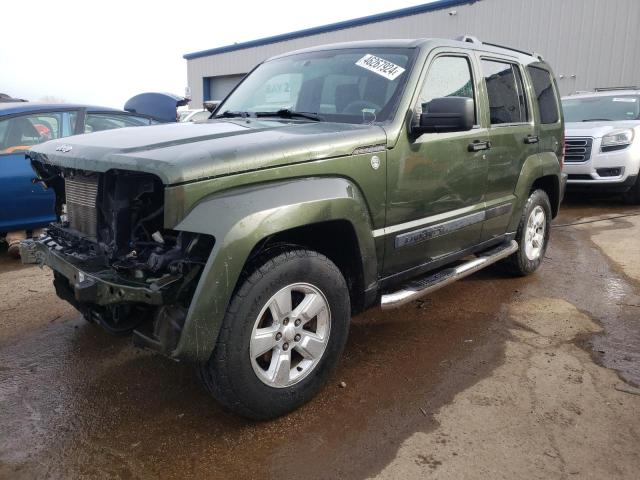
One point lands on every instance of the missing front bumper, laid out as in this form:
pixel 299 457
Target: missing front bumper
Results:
pixel 100 287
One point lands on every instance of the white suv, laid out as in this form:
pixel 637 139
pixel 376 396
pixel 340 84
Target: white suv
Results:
pixel 602 141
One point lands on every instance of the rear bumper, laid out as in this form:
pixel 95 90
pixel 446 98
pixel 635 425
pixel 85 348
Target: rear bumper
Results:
pixel 102 287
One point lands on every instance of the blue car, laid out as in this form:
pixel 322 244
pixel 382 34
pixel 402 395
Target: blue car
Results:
pixel 26 206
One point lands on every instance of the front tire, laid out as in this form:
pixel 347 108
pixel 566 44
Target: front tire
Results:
pixel 532 235
pixel 282 336
pixel 632 195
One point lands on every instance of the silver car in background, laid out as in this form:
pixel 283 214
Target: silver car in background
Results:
pixel 602 141
pixel 195 116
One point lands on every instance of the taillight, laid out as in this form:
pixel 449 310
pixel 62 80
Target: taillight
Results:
pixel 563 151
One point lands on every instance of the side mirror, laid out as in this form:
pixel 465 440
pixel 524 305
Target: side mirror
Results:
pixel 446 114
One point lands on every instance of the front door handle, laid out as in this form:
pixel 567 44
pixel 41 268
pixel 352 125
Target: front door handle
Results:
pixel 477 145
pixel 529 139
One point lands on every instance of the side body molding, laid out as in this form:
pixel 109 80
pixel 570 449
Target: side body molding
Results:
pixel 242 217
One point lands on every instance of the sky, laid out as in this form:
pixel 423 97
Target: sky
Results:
pixel 104 52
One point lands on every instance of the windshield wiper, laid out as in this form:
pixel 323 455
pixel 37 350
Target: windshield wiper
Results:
pixel 230 114
pixel 288 113
pixel 597 120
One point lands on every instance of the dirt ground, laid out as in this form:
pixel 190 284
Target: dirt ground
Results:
pixel 492 377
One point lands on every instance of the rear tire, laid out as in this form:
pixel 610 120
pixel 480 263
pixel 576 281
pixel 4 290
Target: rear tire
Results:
pixel 532 235
pixel 295 308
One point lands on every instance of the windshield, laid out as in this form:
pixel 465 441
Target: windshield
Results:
pixel 601 108
pixel 346 85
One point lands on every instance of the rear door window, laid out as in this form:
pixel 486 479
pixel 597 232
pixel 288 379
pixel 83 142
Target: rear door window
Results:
pixel 507 103
pixel 545 95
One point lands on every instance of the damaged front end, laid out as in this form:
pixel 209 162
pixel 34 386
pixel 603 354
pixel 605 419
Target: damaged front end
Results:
pixel 112 257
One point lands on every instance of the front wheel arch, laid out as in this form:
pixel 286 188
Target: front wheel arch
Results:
pixel 241 219
pixel 335 239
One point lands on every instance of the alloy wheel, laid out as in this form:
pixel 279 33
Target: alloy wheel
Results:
pixel 290 335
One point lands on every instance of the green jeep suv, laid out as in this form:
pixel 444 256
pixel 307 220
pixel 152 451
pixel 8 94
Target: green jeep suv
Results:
pixel 331 180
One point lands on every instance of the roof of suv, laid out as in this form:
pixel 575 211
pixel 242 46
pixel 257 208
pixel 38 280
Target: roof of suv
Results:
pixel 469 43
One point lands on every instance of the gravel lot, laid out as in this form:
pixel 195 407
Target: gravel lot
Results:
pixel 492 377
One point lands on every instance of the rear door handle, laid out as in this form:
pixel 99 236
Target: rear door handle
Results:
pixel 477 145
pixel 529 139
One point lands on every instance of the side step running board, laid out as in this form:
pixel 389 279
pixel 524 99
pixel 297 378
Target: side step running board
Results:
pixel 442 278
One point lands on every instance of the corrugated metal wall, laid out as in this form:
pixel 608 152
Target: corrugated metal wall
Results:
pixel 219 87
pixel 589 43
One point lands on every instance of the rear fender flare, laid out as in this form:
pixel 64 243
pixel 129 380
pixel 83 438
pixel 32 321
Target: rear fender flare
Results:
pixel 534 167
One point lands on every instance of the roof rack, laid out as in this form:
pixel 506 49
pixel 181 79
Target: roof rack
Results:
pixel 607 89
pixel 469 39
pixel 472 39
pixel 510 48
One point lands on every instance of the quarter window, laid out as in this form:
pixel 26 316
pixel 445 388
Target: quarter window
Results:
pixel 506 93
pixel 448 76
pixel 545 95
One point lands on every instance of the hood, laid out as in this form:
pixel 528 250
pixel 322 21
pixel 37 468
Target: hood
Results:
pixel 597 129
pixel 185 152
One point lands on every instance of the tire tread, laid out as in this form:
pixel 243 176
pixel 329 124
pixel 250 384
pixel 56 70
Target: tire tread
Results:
pixel 212 372
pixel 514 264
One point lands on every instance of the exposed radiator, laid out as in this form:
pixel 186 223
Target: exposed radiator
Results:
pixel 81 193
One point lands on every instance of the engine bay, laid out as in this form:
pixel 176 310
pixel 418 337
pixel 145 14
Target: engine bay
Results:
pixel 130 269
pixel 115 220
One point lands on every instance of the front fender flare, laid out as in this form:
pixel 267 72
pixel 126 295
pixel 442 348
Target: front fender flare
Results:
pixel 240 218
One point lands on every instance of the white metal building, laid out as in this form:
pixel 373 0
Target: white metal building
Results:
pixel 589 43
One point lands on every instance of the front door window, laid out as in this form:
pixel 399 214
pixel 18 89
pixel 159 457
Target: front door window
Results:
pixel 447 77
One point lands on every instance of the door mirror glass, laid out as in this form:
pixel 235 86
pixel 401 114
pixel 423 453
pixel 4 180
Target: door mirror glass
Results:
pixel 446 114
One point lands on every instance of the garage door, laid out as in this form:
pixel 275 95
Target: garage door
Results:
pixel 219 87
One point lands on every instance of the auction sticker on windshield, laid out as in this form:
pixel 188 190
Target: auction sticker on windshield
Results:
pixel 385 68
